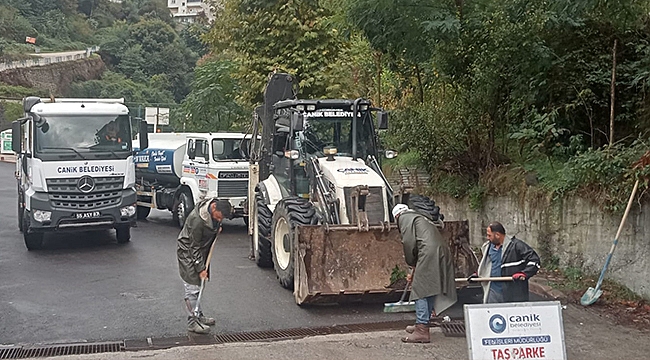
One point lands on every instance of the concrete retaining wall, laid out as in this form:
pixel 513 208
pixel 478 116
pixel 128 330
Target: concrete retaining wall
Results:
pixel 573 230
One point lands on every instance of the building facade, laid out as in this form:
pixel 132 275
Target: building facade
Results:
pixel 188 11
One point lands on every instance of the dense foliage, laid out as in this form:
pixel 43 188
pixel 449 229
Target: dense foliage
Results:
pixel 477 88
pixel 149 57
pixel 508 85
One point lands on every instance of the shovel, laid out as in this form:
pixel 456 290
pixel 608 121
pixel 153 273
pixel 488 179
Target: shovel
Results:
pixel 591 295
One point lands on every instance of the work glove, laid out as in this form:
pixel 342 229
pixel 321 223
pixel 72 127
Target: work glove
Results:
pixel 519 276
pixel 471 277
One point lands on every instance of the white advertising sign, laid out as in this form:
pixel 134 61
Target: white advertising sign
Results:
pixel 530 330
pixel 156 115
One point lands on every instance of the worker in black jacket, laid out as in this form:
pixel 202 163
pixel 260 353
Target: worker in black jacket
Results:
pixel 503 256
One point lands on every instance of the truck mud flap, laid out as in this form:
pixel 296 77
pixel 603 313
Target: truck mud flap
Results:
pixel 343 264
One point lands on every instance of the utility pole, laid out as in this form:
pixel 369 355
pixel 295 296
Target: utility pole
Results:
pixel 612 96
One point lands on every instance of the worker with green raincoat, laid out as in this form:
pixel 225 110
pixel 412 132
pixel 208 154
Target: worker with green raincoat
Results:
pixel 194 242
pixel 433 285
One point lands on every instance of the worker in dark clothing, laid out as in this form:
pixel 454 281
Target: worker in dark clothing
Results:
pixel 433 286
pixel 194 242
pixel 502 257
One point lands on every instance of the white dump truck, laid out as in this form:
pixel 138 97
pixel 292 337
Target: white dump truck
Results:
pixel 74 167
pixel 179 169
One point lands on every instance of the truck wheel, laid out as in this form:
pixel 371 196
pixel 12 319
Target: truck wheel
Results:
pixel 425 205
pixel 261 231
pixel 184 205
pixel 123 234
pixel 288 214
pixel 142 212
pixel 33 240
pixel 21 211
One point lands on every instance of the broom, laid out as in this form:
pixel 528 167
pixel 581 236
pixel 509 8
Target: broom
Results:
pixel 409 306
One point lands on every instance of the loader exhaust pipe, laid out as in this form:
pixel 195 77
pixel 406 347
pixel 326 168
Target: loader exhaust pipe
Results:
pixel 355 112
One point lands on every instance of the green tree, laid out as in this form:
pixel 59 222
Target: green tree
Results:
pixel 266 36
pixel 211 105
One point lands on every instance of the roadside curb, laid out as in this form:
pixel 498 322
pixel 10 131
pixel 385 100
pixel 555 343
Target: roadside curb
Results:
pixel 539 286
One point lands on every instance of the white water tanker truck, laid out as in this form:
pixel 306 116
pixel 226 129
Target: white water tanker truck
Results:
pixel 179 169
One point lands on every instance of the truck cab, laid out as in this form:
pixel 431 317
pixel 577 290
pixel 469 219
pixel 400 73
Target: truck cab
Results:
pixel 74 167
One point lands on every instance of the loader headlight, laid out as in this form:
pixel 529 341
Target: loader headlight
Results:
pixel 42 215
pixel 390 154
pixel 127 211
pixel 330 151
pixel 292 154
pixel 311 107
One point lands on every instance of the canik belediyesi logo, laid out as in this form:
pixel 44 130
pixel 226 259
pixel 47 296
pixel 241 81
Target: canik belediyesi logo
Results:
pixel 497 323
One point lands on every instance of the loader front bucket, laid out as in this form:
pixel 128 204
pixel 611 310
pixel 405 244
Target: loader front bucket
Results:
pixel 343 264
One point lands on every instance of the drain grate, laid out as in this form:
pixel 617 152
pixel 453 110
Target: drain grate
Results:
pixel 33 351
pixel 266 335
pixel 453 328
pixel 24 352
pixel 271 335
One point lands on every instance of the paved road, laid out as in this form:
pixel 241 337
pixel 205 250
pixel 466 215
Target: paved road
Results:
pixel 84 286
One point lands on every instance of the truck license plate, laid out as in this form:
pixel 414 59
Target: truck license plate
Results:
pixel 87 215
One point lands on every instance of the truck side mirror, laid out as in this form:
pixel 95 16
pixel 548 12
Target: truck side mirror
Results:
pixel 297 122
pixel 191 149
pixel 15 137
pixel 382 117
pixel 29 102
pixel 144 135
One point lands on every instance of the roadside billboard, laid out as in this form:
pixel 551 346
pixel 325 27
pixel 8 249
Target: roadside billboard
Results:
pixel 529 330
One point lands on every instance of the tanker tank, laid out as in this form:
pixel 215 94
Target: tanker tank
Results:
pixel 162 162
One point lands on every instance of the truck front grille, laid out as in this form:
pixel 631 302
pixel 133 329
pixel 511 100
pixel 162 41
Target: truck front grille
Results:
pixel 374 204
pixel 232 188
pixel 65 194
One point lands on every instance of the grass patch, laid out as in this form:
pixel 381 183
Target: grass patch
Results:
pixel 573 282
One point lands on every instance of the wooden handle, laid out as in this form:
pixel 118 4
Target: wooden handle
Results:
pixel 478 279
pixel 627 210
pixel 207 261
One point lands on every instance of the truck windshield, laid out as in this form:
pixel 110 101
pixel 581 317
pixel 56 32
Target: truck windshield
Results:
pixel 83 135
pixel 227 150
pixel 321 131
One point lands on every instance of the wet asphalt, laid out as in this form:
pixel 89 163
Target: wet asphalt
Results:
pixel 86 287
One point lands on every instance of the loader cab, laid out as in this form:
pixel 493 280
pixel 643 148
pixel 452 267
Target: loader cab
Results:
pixel 312 128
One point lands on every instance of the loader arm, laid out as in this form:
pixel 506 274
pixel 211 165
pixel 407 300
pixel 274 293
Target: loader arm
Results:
pixel 327 203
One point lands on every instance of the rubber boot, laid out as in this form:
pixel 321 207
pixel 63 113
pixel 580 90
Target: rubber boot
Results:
pixel 420 335
pixel 196 327
pixel 411 328
pixel 207 320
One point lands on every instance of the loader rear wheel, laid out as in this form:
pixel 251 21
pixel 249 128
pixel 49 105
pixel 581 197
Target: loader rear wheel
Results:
pixel 262 217
pixel 288 214
pixel 425 205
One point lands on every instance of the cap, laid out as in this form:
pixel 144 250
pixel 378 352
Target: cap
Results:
pixel 399 208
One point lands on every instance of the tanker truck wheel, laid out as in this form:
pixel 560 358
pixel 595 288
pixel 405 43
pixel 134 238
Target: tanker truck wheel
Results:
pixel 425 205
pixel 288 214
pixel 184 205
pixel 142 212
pixel 261 232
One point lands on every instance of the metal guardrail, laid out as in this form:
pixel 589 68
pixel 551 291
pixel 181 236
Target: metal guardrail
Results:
pixel 49 58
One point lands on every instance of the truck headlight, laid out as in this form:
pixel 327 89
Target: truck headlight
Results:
pixel 42 215
pixel 127 211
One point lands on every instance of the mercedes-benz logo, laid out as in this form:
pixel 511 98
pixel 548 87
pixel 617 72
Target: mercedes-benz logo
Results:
pixel 86 184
